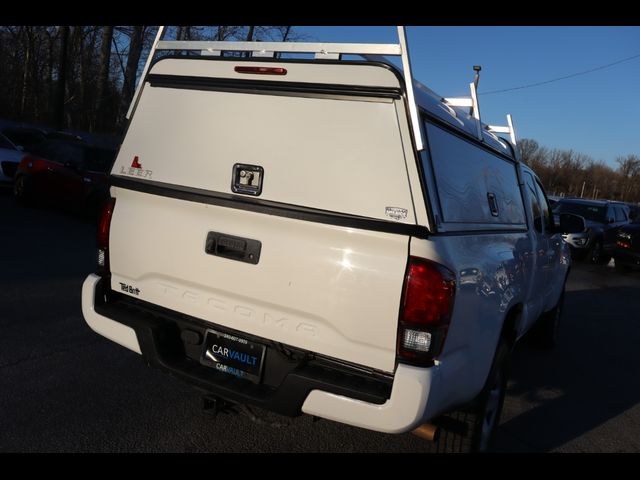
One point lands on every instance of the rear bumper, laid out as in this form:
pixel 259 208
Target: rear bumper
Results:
pixel 114 331
pixel 402 412
pixel 293 385
pixel 627 257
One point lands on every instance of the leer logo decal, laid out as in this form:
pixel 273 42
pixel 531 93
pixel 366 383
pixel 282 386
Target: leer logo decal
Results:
pixel 135 169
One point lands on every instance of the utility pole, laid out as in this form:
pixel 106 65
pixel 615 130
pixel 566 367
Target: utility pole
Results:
pixel 582 191
pixel 593 195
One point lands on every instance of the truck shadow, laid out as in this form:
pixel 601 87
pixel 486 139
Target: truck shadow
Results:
pixel 591 378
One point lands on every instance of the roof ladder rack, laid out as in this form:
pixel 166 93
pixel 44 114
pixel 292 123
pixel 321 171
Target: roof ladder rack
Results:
pixel 472 103
pixel 509 130
pixel 320 50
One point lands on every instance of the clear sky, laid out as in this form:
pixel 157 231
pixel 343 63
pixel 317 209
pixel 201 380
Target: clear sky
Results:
pixel 597 113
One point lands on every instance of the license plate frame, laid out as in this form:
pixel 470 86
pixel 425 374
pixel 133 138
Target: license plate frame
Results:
pixel 233 355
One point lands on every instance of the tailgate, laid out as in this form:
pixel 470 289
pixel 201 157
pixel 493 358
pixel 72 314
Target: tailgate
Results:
pixel 328 289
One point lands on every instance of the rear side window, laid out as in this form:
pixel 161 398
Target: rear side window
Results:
pixel 473 185
pixel 620 214
pixel 596 213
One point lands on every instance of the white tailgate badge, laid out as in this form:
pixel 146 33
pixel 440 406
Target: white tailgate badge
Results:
pixel 396 213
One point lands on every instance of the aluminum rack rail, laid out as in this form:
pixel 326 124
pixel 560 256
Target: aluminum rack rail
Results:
pixel 320 50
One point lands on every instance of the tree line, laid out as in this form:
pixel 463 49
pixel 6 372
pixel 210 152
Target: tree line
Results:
pixel 84 77
pixel 568 173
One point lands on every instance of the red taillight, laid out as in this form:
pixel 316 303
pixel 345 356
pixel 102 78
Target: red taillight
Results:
pixel 103 236
pixel 427 302
pixel 262 70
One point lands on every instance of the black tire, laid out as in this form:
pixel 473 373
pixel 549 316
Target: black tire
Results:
pixel 22 191
pixel 596 255
pixel 490 401
pixel 472 430
pixel 544 334
pixel 621 267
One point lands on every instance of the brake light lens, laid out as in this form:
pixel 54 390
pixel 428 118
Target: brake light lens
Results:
pixel 103 237
pixel 262 70
pixel 425 312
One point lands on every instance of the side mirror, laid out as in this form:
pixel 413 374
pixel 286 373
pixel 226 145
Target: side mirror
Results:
pixel 570 223
pixel 20 148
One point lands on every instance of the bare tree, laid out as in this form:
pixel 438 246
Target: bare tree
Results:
pixel 629 171
pixel 103 74
pixel 62 77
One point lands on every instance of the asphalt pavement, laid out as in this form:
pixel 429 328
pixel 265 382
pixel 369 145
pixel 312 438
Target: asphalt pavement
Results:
pixel 64 388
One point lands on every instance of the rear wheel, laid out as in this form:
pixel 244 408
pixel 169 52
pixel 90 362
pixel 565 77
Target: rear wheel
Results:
pixel 490 402
pixel 621 267
pixel 473 429
pixel 544 333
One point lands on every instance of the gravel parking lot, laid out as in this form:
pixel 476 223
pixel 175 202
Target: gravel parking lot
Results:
pixel 64 388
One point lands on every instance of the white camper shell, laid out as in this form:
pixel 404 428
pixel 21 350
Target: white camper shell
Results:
pixel 276 219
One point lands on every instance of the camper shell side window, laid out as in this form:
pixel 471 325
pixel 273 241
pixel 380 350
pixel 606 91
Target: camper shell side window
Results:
pixel 476 189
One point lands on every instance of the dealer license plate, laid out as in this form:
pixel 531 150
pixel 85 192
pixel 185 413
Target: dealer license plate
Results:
pixel 233 355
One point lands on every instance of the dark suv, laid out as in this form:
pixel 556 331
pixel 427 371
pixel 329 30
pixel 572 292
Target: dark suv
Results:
pixel 603 219
pixel 627 251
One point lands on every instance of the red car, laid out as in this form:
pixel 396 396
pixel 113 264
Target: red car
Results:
pixel 66 174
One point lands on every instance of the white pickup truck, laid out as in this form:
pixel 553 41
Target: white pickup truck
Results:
pixel 276 239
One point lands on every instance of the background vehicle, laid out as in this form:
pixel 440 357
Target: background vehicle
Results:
pixel 26 137
pixel 10 157
pixel 310 255
pixel 70 175
pixel 30 137
pixel 627 250
pixel 603 219
pixel 553 199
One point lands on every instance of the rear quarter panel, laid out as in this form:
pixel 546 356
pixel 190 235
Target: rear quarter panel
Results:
pixel 491 271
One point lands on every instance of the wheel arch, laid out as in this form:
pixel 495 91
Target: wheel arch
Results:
pixel 511 325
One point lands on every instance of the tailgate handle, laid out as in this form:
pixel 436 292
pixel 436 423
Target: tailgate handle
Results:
pixel 233 248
